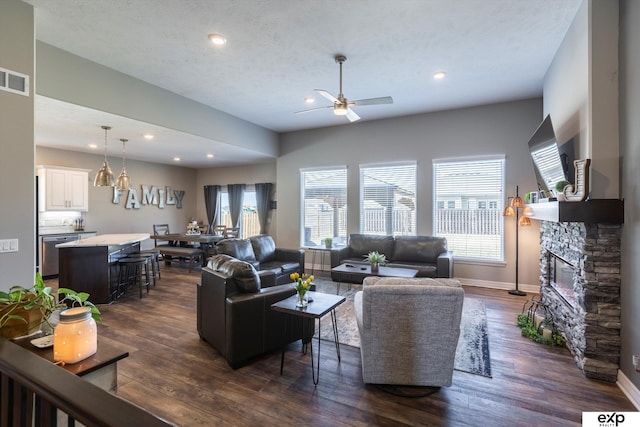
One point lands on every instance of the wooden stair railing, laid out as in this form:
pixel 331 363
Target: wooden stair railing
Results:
pixel 33 391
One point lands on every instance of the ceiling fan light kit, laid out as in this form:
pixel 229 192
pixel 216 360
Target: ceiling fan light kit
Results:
pixel 342 106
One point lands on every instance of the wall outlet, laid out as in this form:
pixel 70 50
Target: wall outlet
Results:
pixel 8 245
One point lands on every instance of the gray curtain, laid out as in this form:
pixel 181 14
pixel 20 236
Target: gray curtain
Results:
pixel 211 193
pixel 236 197
pixel 263 200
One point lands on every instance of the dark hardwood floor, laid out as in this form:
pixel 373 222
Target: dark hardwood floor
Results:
pixel 180 378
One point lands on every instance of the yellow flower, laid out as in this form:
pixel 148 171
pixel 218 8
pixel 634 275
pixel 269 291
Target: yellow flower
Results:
pixel 311 278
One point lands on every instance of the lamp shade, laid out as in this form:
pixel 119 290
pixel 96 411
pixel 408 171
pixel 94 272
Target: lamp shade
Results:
pixel 524 221
pixel 517 202
pixel 508 211
pixel 123 182
pixel 104 177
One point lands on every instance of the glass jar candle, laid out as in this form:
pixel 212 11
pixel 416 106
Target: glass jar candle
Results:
pixel 76 337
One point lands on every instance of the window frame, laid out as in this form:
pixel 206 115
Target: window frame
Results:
pixel 361 213
pixel 497 198
pixel 343 230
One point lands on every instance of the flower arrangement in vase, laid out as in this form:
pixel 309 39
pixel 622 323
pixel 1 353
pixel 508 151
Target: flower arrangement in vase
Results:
pixel 375 258
pixel 302 285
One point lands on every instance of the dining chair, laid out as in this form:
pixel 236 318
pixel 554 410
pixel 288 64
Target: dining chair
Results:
pixel 219 230
pixel 232 232
pixel 159 230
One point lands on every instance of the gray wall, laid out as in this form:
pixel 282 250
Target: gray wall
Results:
pixel 492 129
pixel 17 179
pixel 106 217
pixel 581 93
pixel 70 78
pixel 630 151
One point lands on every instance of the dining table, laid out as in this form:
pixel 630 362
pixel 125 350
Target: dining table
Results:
pixel 206 241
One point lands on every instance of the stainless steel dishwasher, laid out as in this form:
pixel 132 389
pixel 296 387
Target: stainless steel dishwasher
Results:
pixel 50 258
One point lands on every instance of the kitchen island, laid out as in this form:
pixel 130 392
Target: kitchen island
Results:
pixel 91 265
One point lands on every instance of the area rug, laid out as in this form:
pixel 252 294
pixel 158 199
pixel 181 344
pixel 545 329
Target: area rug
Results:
pixel 472 353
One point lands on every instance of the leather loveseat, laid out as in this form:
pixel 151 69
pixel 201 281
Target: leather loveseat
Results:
pixel 427 254
pixel 261 252
pixel 234 312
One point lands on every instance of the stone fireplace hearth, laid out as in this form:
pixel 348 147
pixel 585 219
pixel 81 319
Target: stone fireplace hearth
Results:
pixel 590 319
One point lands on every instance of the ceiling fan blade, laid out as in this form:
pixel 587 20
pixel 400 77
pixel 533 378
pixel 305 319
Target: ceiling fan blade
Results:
pixel 351 115
pixel 327 95
pixel 314 109
pixel 373 101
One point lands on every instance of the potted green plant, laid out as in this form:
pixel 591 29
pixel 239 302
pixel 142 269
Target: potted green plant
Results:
pixel 328 242
pixel 24 310
pixel 375 258
pixel 559 188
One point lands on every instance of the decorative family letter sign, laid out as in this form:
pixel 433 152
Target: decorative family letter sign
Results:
pixel 150 196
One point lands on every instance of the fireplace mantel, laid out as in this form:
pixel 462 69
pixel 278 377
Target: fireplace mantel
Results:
pixel 595 211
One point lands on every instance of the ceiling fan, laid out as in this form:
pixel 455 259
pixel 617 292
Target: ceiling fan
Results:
pixel 341 106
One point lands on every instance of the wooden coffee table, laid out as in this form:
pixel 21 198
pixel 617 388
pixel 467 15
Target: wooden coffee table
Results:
pixel 357 272
pixel 316 309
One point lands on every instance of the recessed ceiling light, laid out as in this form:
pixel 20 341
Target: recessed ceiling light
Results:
pixel 94 146
pixel 309 100
pixel 147 136
pixel 439 75
pixel 210 156
pixel 176 159
pixel 217 39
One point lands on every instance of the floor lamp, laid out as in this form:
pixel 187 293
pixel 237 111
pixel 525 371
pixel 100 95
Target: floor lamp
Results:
pixel 513 209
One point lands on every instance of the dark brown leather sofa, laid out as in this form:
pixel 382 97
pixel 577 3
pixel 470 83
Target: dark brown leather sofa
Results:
pixel 262 253
pixel 234 312
pixel 427 254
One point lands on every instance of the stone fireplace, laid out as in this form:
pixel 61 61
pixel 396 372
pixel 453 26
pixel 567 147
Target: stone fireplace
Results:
pixel 580 285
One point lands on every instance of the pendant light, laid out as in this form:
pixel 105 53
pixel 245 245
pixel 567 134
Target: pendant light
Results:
pixel 104 177
pixel 123 180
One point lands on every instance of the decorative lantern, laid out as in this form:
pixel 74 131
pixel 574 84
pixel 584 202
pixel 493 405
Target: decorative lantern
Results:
pixel 76 337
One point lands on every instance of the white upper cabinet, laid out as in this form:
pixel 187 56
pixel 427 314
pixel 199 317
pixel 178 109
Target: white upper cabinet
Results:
pixel 62 189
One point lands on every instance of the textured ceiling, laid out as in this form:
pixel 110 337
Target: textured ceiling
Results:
pixel 278 51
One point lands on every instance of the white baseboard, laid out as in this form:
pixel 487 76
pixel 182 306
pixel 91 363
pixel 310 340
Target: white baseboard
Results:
pixel 629 389
pixel 534 289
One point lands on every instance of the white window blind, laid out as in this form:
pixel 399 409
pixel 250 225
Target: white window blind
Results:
pixel 473 191
pixel 324 205
pixel 388 199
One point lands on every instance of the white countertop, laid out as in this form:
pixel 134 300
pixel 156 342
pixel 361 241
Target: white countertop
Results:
pixel 106 240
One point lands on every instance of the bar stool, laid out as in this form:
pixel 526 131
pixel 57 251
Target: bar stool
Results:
pixel 154 260
pixel 131 269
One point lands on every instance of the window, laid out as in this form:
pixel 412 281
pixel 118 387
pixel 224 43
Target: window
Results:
pixel 249 223
pixel 388 199
pixel 324 205
pixel 474 229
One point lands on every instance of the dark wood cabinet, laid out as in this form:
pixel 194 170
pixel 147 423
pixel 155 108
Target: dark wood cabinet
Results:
pixel 93 269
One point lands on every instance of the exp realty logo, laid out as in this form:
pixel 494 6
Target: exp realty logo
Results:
pixel 610 419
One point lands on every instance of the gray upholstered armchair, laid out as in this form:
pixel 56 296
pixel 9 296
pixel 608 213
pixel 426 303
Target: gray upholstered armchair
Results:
pixel 409 330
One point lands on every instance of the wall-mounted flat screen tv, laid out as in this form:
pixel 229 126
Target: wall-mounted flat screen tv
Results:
pixel 551 162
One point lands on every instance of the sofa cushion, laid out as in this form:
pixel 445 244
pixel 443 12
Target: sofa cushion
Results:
pixel 264 248
pixel 216 261
pixel 237 248
pixel 243 274
pixel 419 248
pixel 362 244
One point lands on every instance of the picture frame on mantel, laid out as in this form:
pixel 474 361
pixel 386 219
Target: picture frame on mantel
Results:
pixel 579 191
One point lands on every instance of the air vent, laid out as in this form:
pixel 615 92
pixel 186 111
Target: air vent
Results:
pixel 12 81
